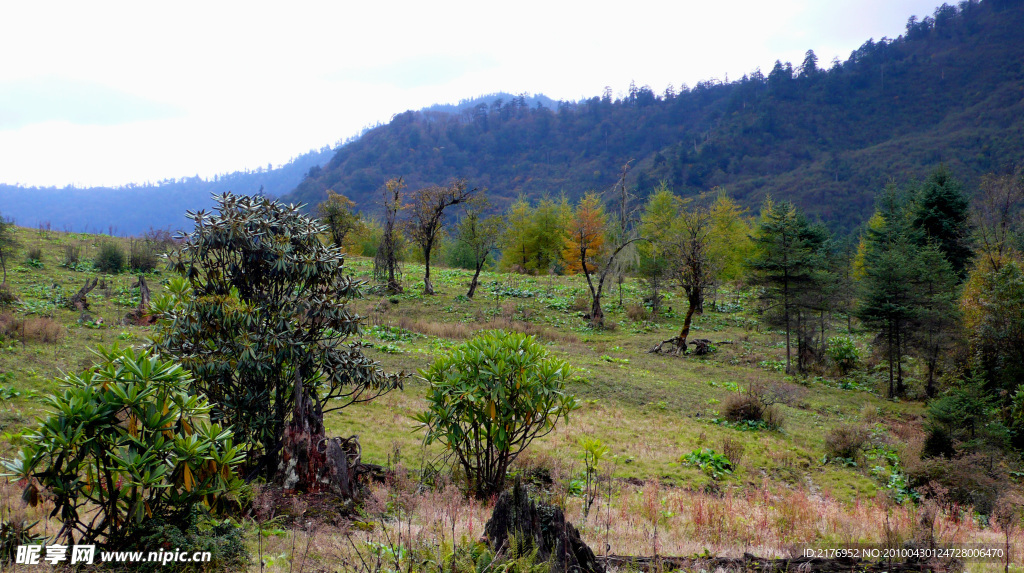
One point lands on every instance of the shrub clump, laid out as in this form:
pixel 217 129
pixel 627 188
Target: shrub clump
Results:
pixel 110 258
pixel 7 296
pixel 34 256
pixel 72 254
pixel 198 533
pixel 44 329
pixel 637 312
pixel 843 353
pixel 756 405
pixel 845 441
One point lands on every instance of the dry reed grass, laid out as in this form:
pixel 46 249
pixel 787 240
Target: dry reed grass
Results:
pixel 652 519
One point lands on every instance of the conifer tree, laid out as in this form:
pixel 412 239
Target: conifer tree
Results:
pixel 788 262
pixel 887 300
pixel 937 313
pixel 942 216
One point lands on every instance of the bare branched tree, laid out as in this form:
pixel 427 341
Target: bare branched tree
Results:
pixel 480 235
pixel 385 262
pixel 998 215
pixel 427 218
pixel 688 251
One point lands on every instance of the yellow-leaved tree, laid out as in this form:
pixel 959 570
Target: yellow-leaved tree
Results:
pixel 729 243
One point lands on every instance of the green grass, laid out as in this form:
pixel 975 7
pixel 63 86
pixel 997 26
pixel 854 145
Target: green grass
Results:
pixel 649 409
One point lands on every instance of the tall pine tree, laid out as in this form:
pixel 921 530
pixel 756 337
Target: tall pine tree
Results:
pixel 788 262
pixel 941 215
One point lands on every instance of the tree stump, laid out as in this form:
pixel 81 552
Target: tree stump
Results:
pixel 141 316
pixel 310 462
pixel 539 526
pixel 78 301
pixel 701 346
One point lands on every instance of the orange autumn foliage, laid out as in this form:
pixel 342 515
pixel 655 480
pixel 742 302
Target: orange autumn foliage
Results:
pixel 585 235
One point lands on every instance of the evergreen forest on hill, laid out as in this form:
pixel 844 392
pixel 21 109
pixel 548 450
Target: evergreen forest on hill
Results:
pixel 825 135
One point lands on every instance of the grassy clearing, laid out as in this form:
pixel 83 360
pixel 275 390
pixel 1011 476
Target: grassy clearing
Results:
pixel 650 410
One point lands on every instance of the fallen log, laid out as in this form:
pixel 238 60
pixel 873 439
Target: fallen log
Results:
pixel 750 563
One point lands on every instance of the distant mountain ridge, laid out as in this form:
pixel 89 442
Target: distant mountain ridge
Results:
pixel 495 99
pixel 134 209
pixel 951 89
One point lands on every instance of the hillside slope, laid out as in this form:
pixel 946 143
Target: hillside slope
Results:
pixel 949 90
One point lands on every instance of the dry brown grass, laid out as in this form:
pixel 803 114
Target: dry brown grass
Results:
pixel 40 328
pixel 44 329
pixel 643 519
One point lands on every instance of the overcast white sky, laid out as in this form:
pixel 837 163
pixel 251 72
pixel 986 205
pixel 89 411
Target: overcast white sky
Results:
pixel 103 93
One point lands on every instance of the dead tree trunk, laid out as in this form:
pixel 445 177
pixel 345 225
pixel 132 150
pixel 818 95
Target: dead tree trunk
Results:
pixel 311 462
pixel 141 315
pixel 539 526
pixel 78 300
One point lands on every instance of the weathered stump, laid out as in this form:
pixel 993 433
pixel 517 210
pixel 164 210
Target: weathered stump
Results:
pixel 310 462
pixel 701 346
pixel 539 526
pixel 78 300
pixel 140 315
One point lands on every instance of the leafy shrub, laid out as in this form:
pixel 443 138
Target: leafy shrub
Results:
pixel 489 398
pixel 110 259
pixel 142 257
pixel 126 441
pixel 715 465
pixel 221 538
pixel 843 353
pixel 845 441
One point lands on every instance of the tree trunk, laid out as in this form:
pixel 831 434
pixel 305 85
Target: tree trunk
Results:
pixel 473 283
pixel 428 287
pixel 679 342
pixel 301 459
pixel 140 316
pixel 596 314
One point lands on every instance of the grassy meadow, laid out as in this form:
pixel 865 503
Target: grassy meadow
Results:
pixel 782 494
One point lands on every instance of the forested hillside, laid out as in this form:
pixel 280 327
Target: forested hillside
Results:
pixel 825 135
